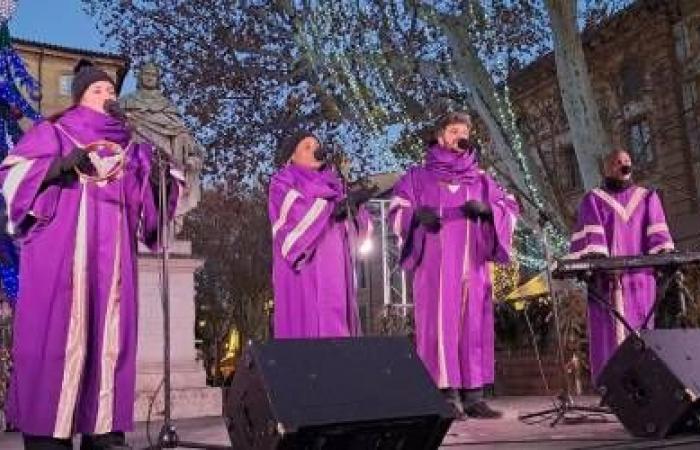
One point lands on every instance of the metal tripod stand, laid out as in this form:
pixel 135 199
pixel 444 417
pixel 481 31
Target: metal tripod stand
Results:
pixel 168 437
pixel 564 404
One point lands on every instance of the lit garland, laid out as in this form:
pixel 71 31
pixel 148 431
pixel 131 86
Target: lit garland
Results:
pixel 505 279
pixel 9 264
pixel 327 42
pixel 335 55
pixel 7 9
pixel 13 105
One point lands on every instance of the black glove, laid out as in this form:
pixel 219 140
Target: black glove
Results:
pixel 63 168
pixel 357 197
pixel 474 209
pixel 154 175
pixel 594 255
pixel 113 108
pixel 154 178
pixel 427 217
pixel 160 162
pixel 352 202
pixel 340 212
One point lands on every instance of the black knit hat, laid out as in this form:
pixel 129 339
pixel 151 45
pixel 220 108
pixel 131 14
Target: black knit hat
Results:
pixel 85 73
pixel 289 145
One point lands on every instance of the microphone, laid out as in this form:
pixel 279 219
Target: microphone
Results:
pixel 321 153
pixel 332 155
pixel 469 146
pixel 112 108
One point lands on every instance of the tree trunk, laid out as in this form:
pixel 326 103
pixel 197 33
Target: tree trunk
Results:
pixel 589 138
pixel 485 100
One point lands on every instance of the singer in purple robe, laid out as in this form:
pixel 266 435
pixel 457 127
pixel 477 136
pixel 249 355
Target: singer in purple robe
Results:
pixel 453 220
pixel 619 219
pixel 77 211
pixel 316 230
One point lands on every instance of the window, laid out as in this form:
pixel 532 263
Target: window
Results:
pixel 64 85
pixel 571 176
pixel 639 141
pixel 632 80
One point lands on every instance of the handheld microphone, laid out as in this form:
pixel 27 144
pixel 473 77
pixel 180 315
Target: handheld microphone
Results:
pixel 469 146
pixel 112 108
pixel 321 153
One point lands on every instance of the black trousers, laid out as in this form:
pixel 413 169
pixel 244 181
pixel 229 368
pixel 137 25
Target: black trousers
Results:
pixel 87 442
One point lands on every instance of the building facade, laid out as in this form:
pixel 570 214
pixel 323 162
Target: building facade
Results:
pixel 644 65
pixel 52 65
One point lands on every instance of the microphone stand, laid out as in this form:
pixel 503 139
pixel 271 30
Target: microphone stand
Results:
pixel 168 437
pixel 335 160
pixel 563 403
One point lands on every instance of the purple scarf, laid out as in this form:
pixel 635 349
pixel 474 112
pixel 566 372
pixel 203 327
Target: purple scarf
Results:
pixel 450 166
pixel 88 125
pixel 323 183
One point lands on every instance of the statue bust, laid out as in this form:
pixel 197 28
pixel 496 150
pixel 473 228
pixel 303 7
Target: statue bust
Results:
pixel 156 120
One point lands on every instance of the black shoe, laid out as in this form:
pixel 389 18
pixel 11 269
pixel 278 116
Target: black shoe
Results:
pixel 480 410
pixel 452 398
pixel 115 440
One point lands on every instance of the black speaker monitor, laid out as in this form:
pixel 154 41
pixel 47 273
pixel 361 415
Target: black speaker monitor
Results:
pixel 335 394
pixel 652 382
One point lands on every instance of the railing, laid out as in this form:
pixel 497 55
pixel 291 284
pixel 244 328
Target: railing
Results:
pixel 397 315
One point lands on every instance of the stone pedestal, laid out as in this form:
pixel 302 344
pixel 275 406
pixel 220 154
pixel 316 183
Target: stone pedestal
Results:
pixel 190 395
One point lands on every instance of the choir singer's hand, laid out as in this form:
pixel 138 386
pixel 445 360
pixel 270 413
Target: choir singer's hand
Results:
pixel 427 217
pixel 78 158
pixel 475 209
pixel 357 197
pixel 340 211
pixel 594 255
pixel 62 169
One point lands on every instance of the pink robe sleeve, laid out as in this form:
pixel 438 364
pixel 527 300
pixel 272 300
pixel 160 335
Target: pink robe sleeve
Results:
pixel 402 209
pixel 150 211
pixel 589 234
pixel 297 222
pixel 505 216
pixel 657 236
pixel 21 175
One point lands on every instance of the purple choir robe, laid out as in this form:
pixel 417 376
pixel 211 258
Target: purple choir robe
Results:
pixel 75 323
pixel 451 268
pixel 313 255
pixel 626 223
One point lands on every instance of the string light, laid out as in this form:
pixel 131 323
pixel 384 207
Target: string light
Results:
pixel 327 43
pixel 505 279
pixel 9 263
pixel 13 104
pixel 7 9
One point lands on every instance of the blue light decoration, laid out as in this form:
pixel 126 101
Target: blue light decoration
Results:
pixel 13 104
pixel 15 83
pixel 9 265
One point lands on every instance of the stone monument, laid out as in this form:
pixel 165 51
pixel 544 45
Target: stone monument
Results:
pixel 156 120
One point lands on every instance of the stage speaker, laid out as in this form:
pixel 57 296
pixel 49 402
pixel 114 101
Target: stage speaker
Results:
pixel 652 382
pixel 334 394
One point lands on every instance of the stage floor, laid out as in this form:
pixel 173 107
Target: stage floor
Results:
pixel 506 433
